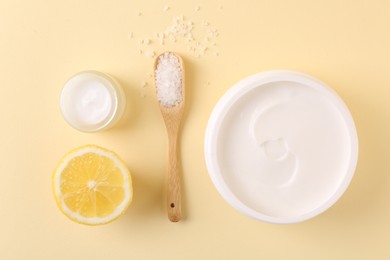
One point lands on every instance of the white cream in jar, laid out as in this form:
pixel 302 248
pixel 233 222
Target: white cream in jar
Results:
pixel 92 101
pixel 281 146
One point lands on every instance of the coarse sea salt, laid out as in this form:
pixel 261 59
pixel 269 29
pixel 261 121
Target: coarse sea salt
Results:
pixel 169 79
pixel 182 31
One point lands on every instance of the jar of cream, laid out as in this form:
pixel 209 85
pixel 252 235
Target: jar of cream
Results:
pixel 92 101
pixel 281 146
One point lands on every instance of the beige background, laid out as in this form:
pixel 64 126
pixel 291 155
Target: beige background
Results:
pixel 42 43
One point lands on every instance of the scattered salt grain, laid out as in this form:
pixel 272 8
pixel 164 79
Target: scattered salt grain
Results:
pixel 144 41
pixel 160 37
pixel 197 8
pixel 168 76
pixel 166 8
pixel 144 84
pixel 150 54
pixel 203 49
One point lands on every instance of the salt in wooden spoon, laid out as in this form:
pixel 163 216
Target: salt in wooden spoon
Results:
pixel 170 89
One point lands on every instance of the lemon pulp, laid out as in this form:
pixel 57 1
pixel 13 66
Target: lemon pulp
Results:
pixel 92 185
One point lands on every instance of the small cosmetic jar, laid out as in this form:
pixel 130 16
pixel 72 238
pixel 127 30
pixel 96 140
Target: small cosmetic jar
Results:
pixel 92 101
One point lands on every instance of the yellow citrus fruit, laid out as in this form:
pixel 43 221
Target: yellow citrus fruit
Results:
pixel 92 185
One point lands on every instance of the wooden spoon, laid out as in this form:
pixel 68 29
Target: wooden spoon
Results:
pixel 172 115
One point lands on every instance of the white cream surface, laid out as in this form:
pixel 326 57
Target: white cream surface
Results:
pixel 89 101
pixel 283 149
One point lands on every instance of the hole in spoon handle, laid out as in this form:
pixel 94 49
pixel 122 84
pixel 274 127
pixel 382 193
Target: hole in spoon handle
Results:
pixel 174 212
pixel 174 207
pixel 174 198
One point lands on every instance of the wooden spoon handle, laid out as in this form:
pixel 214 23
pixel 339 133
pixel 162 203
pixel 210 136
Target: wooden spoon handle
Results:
pixel 174 193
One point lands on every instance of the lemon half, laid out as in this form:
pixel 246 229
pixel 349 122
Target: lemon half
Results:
pixel 92 185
